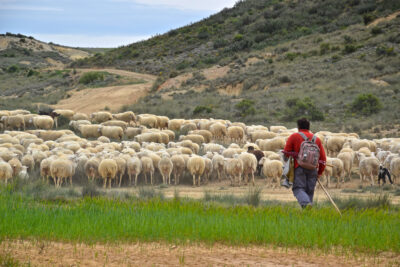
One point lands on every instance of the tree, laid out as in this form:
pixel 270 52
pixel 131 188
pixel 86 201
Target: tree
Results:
pixel 366 104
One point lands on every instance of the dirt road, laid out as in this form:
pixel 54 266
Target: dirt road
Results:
pixel 114 97
pixel 45 253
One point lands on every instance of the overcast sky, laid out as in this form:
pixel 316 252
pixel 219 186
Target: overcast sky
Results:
pixel 101 23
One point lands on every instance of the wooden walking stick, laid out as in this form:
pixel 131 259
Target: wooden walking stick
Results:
pixel 329 196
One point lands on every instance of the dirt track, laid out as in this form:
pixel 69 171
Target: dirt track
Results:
pixel 44 253
pixel 114 97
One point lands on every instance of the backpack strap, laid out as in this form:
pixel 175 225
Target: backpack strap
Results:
pixel 314 138
pixel 304 136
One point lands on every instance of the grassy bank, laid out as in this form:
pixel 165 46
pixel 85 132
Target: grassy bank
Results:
pixel 104 220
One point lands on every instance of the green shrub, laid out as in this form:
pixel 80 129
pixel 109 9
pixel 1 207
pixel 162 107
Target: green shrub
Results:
pixel 296 108
pixel 291 56
pixel 238 37
pixel 202 109
pixel 12 69
pixel 368 18
pixel 90 77
pixel 245 107
pixel 376 30
pixel 348 49
pixel 383 50
pixel 324 48
pixel 220 43
pixel 366 104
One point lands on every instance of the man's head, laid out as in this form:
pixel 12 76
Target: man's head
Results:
pixel 250 148
pixel 380 167
pixel 303 124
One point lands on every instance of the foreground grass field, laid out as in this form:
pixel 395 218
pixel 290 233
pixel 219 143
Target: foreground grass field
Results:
pixel 92 220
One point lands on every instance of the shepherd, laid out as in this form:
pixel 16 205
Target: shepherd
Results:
pixel 309 162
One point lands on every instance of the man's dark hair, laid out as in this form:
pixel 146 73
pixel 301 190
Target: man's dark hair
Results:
pixel 303 124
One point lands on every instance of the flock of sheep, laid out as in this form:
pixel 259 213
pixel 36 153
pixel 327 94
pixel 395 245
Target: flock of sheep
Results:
pixel 122 146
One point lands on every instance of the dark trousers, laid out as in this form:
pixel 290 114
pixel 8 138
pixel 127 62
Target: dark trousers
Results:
pixel 304 185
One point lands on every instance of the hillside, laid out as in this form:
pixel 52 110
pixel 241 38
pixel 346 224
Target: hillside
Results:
pixel 272 61
pixel 34 72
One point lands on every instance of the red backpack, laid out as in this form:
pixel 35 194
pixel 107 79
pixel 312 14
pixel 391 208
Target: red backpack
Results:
pixel 308 156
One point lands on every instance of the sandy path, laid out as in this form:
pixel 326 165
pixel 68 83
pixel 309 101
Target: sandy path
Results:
pixel 44 253
pixel 114 97
pixel 387 18
pixel 267 193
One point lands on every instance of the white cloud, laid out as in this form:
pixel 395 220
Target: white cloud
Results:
pixel 29 8
pixel 201 5
pixel 103 41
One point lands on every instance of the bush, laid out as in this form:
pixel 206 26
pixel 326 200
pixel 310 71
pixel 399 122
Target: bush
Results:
pixel 238 37
pixel 383 50
pixel 245 107
pixel 324 48
pixel 90 77
pixel 368 18
pixel 348 49
pixel 366 104
pixel 376 30
pixel 220 43
pixel 12 69
pixel 202 109
pixel 302 108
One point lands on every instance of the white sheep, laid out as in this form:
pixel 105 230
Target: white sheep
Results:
pixel 368 166
pixel 128 117
pixel 272 170
pixel 179 165
pixel 15 165
pixel 337 170
pixel 108 169
pixel 395 168
pixel 62 168
pixel 112 132
pixel 134 167
pixel 121 164
pixel 249 166
pixel 165 166
pixel 80 116
pixel 234 169
pixel 91 168
pixel 6 171
pixel 196 166
pixel 90 131
pixel 23 174
pixel 208 168
pixel 13 122
pixel 102 116
pixel 218 130
pixel 43 122
pixel 147 167
pixel 235 133
pixel 218 165
pixel 347 159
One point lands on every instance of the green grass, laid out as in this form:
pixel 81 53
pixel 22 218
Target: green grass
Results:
pixel 92 220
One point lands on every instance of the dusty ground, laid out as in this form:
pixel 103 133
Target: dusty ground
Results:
pixel 267 193
pixel 114 97
pixel 387 18
pixel 43 253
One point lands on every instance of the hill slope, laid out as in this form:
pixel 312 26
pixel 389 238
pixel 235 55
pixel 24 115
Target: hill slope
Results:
pixel 270 61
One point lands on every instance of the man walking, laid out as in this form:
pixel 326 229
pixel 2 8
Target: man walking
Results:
pixel 309 164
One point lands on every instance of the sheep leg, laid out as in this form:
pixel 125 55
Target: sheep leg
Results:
pixel 151 178
pixel 70 180
pixel 239 179
pixel 120 180
pixel 145 177
pixel 372 180
pixel 109 184
pixel 105 183
pixel 252 178
pixel 199 180
pixel 194 180
pixel 136 176
pixel 169 178
pixel 130 179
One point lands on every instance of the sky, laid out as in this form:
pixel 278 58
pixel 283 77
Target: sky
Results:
pixel 102 23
